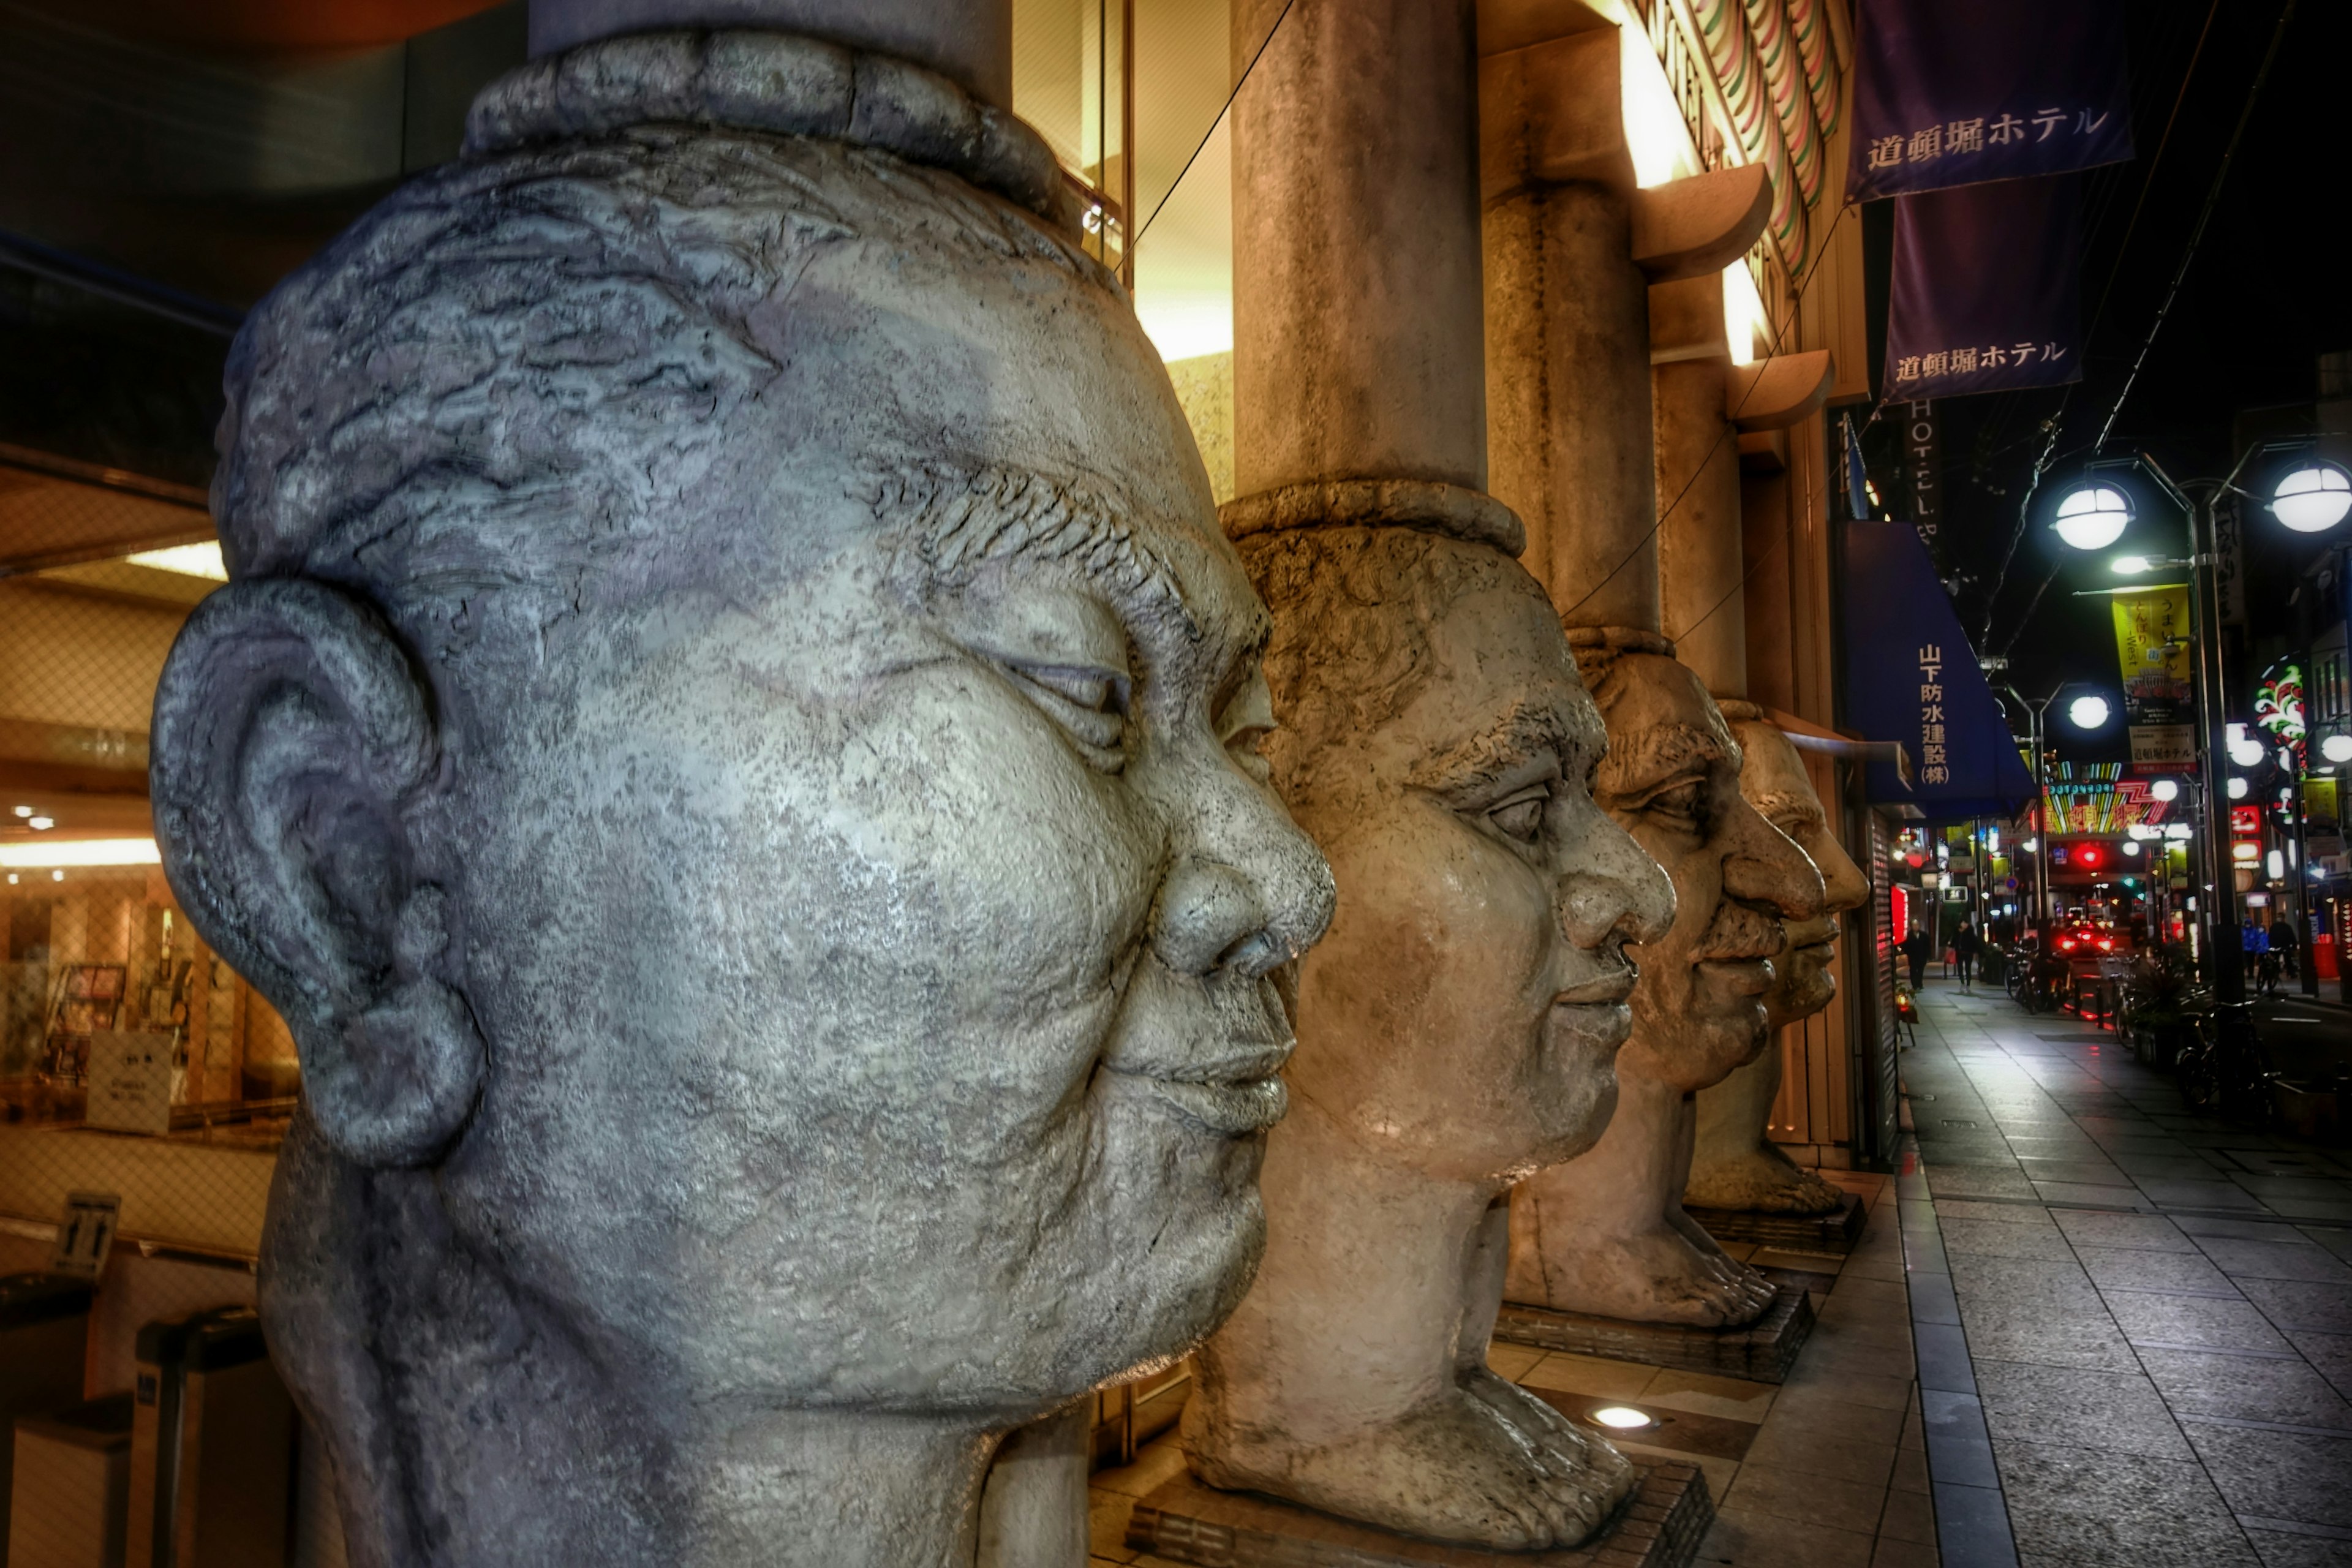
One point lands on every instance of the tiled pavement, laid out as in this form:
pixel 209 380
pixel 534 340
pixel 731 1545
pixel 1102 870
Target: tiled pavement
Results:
pixel 2157 1307
pixel 1828 1470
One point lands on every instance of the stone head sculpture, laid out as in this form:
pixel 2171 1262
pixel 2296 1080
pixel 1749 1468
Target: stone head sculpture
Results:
pixel 1457 1030
pixel 1734 1164
pixel 1606 1234
pixel 731 739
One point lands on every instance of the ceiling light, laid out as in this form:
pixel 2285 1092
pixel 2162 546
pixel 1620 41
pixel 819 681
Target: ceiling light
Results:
pixel 56 876
pixel 188 560
pixel 40 824
pixel 2093 517
pixel 80 852
pixel 2313 498
pixel 24 811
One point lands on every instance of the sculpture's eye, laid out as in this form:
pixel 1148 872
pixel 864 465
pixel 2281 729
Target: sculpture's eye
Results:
pixel 1245 722
pixel 1521 816
pixel 1088 703
pixel 1682 804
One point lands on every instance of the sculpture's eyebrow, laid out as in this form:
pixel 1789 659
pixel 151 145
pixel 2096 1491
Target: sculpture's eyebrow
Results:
pixel 1528 729
pixel 1788 805
pixel 955 520
pixel 1647 758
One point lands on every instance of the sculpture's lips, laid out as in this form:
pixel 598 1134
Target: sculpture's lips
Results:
pixel 1753 976
pixel 1209 1050
pixel 1235 1110
pixel 1607 991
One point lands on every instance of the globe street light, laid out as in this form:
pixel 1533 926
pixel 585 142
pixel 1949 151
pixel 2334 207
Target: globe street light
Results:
pixel 2312 498
pixel 2092 516
pixel 2088 712
pixel 2169 790
pixel 2337 748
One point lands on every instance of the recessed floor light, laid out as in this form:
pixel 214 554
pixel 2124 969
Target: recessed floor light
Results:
pixel 1624 1418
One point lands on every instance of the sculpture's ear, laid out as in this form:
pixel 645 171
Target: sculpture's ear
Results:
pixel 296 769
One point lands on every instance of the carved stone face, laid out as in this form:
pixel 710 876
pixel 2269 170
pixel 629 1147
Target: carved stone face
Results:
pixel 880 966
pixel 1485 900
pixel 1673 779
pixel 858 861
pixel 1773 778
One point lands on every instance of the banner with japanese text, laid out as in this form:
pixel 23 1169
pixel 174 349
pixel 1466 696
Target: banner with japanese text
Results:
pixel 1986 292
pixel 1955 92
pixel 1910 677
pixel 2152 651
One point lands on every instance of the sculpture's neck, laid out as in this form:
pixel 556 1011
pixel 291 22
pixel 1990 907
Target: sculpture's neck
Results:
pixel 1646 1151
pixel 782 1489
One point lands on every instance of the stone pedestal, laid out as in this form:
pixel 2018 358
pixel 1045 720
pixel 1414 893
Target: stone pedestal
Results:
pixel 1660 1527
pixel 1762 1352
pixel 1837 1233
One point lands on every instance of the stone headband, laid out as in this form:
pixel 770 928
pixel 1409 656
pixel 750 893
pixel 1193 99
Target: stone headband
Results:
pixel 776 82
pixel 1612 642
pixel 1428 505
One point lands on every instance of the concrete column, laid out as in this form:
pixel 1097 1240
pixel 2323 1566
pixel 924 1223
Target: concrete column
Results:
pixel 970 42
pixel 1572 250
pixel 1698 522
pixel 1357 343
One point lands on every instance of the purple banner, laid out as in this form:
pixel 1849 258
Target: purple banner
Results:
pixel 1987 292
pixel 1955 93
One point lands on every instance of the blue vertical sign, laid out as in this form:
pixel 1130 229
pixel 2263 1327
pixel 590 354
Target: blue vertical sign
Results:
pixel 1911 677
pixel 1955 93
pixel 1986 293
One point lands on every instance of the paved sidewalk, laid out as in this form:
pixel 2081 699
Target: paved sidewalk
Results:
pixel 2157 1307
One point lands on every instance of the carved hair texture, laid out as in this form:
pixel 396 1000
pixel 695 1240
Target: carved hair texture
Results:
pixel 1353 609
pixel 499 383
pixel 1599 648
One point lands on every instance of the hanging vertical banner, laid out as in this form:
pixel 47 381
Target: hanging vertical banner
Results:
pixel 1986 294
pixel 1910 677
pixel 1922 460
pixel 1947 94
pixel 2152 651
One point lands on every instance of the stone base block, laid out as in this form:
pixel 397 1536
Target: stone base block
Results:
pixel 1185 1521
pixel 1832 1233
pixel 1763 1352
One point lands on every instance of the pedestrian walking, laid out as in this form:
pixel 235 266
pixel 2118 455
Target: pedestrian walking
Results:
pixel 1966 944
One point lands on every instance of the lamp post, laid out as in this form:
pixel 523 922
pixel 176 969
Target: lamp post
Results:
pixel 2311 499
pixel 2089 711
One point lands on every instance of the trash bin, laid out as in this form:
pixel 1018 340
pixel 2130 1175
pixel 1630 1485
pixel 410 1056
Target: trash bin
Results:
pixel 72 1486
pixel 212 1442
pixel 43 1336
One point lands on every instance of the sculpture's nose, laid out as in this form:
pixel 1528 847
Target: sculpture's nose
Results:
pixel 1249 892
pixel 1766 870
pixel 1613 886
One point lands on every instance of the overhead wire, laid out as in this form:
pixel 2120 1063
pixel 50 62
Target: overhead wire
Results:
pixel 1209 135
pixel 2054 423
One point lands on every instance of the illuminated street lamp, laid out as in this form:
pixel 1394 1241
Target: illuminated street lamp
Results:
pixel 2088 712
pixel 2093 517
pixel 2337 748
pixel 2312 498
